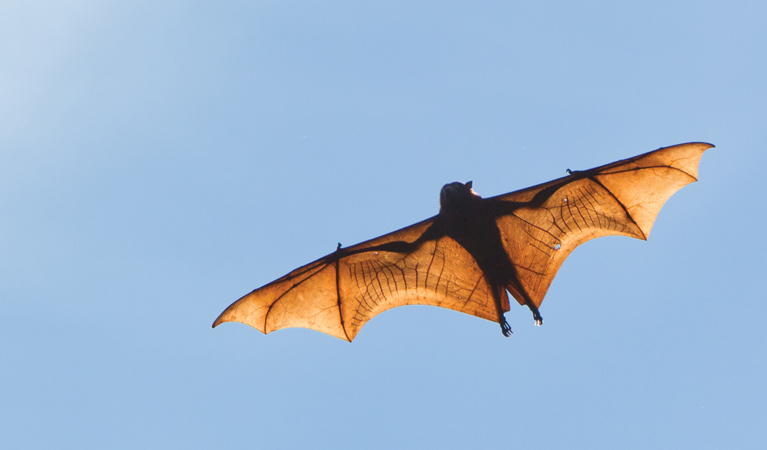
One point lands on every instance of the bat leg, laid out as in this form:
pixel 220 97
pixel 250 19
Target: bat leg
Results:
pixel 536 315
pixel 501 299
pixel 505 328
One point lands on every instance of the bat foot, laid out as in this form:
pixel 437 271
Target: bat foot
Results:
pixel 506 329
pixel 537 316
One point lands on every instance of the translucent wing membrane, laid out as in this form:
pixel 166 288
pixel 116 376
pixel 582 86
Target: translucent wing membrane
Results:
pixel 439 273
pixel 422 265
pixel 340 292
pixel 548 221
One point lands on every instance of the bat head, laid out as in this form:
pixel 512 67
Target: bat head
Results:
pixel 455 196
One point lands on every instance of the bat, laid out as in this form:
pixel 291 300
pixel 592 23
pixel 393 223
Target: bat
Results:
pixel 475 251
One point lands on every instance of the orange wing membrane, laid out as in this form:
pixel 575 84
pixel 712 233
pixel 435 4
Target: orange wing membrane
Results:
pixel 475 250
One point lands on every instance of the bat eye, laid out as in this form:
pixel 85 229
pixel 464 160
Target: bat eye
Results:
pixel 557 247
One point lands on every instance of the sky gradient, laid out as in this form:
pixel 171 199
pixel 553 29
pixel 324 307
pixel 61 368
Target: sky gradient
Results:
pixel 158 161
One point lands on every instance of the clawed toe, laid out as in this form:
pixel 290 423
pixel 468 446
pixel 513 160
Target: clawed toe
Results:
pixel 506 329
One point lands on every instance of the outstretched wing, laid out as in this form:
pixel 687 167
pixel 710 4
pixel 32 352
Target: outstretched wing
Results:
pixel 421 264
pixel 541 225
pixel 339 293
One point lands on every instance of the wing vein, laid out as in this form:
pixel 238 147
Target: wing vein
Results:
pixel 628 215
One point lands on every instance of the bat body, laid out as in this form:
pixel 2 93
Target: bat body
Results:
pixel 475 251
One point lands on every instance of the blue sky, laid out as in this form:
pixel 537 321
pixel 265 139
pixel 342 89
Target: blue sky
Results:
pixel 158 161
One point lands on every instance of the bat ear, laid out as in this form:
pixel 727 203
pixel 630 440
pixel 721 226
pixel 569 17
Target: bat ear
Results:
pixel 467 184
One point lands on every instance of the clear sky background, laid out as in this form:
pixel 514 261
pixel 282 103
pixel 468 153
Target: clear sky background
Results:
pixel 158 160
